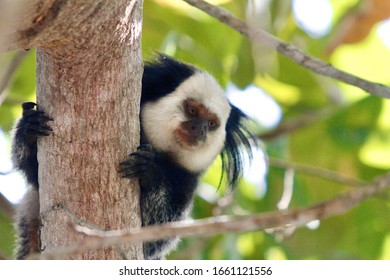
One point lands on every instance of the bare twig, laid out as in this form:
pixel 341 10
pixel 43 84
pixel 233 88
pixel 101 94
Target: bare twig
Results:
pixel 290 51
pixel 12 67
pixel 288 189
pixel 316 172
pixel 300 122
pixel 4 256
pixel 6 207
pixel 298 217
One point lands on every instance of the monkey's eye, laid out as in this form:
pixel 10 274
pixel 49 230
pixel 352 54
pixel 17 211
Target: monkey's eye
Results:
pixel 192 110
pixel 212 124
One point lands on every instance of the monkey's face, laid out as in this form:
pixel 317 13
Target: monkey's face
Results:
pixel 189 123
pixel 199 124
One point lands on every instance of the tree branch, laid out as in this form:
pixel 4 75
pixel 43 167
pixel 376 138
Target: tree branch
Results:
pixel 316 171
pixel 290 51
pixel 6 208
pixel 297 123
pixel 9 72
pixel 4 256
pixel 222 224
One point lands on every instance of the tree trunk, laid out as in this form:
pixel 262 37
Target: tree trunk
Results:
pixel 89 70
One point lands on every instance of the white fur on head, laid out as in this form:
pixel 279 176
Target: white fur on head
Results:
pixel 162 117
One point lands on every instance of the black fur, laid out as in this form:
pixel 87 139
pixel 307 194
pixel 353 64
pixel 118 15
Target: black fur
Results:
pixel 32 125
pixel 166 192
pixel 162 76
pixel 23 226
pixel 237 143
pixel 27 225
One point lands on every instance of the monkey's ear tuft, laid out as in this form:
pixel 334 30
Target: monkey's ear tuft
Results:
pixel 237 145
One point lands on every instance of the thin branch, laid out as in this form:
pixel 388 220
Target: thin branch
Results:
pixel 316 172
pixel 288 189
pixel 3 256
pixel 222 224
pixel 6 208
pixel 9 72
pixel 298 123
pixel 290 51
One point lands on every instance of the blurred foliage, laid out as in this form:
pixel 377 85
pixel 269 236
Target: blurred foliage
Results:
pixel 7 236
pixel 353 139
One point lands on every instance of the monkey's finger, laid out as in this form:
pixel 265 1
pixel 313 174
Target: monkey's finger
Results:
pixel 131 167
pixel 128 162
pixel 143 156
pixel 39 130
pixel 130 173
pixel 36 116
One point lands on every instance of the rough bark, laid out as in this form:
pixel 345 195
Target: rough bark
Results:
pixel 89 70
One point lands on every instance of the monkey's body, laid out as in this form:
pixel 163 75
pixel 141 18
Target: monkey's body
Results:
pixel 186 121
pixel 166 195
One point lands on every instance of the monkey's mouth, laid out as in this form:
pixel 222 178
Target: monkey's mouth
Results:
pixel 186 139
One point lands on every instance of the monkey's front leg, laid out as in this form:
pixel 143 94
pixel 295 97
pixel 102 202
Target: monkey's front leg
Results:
pixel 28 129
pixel 156 204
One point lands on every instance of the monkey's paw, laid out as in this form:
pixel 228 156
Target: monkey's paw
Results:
pixel 137 164
pixel 34 122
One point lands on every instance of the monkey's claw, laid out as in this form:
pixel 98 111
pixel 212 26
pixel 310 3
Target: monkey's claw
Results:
pixel 137 163
pixel 34 122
